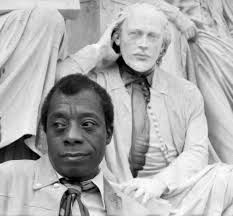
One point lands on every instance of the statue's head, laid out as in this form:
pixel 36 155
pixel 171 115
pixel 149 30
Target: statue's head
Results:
pixel 143 37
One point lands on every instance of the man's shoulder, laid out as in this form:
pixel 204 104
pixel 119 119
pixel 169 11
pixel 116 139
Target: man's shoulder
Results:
pixel 17 167
pixel 178 86
pixel 176 82
pixel 108 70
pixel 108 77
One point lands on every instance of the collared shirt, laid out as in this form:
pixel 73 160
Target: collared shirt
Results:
pixel 94 201
pixel 160 151
pixel 137 85
pixel 128 77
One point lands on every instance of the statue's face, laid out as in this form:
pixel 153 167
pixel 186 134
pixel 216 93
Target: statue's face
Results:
pixel 141 38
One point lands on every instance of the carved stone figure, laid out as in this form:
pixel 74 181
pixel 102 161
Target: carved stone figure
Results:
pixel 208 61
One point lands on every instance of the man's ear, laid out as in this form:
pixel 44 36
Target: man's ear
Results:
pixel 109 134
pixel 117 41
pixel 116 37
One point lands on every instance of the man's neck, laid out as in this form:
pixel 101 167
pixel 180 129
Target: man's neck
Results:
pixel 125 69
pixel 81 179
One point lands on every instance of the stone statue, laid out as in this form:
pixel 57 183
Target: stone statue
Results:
pixel 209 23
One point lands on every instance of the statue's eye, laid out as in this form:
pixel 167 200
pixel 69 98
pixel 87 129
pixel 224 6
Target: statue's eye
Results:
pixel 134 34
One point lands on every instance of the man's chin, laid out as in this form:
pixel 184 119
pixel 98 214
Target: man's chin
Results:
pixel 141 68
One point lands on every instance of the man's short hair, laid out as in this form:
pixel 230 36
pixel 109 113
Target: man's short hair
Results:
pixel 73 84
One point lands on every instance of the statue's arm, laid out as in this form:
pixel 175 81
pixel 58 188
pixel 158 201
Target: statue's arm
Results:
pixel 194 156
pixel 93 56
pixel 174 15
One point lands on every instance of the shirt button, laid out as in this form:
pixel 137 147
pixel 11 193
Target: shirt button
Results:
pixel 162 148
pixel 156 124
pixel 160 139
pixel 154 118
pixel 150 112
pixel 38 185
pixel 56 185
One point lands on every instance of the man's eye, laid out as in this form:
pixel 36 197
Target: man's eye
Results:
pixel 134 34
pixel 153 37
pixel 88 124
pixel 59 125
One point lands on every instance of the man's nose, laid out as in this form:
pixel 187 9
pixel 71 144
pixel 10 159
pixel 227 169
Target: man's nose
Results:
pixel 143 42
pixel 74 134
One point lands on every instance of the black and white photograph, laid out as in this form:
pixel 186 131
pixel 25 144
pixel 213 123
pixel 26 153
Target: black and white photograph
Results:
pixel 116 108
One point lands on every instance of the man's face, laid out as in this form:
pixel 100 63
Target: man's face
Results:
pixel 76 134
pixel 141 38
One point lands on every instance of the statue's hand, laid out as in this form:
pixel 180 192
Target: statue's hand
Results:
pixel 186 26
pixel 107 55
pixel 144 189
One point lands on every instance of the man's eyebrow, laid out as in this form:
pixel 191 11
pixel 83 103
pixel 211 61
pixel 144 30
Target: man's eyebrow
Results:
pixel 57 115
pixel 134 29
pixel 91 114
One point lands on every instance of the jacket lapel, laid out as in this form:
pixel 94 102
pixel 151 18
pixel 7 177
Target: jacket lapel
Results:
pixel 122 124
pixel 160 86
pixel 116 85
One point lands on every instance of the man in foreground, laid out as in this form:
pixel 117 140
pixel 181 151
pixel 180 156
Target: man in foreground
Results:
pixel 160 142
pixel 77 117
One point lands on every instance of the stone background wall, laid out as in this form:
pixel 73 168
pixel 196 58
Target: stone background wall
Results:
pixel 91 21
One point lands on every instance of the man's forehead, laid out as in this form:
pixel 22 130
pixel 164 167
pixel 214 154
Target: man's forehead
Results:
pixel 144 12
pixel 83 98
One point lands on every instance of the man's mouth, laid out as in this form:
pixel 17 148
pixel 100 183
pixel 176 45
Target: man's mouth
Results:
pixel 141 56
pixel 75 155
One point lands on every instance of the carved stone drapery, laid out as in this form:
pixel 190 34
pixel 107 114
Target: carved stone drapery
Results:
pixel 68 8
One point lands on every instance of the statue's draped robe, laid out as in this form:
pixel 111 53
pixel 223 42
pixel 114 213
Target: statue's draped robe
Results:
pixel 30 45
pixel 212 55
